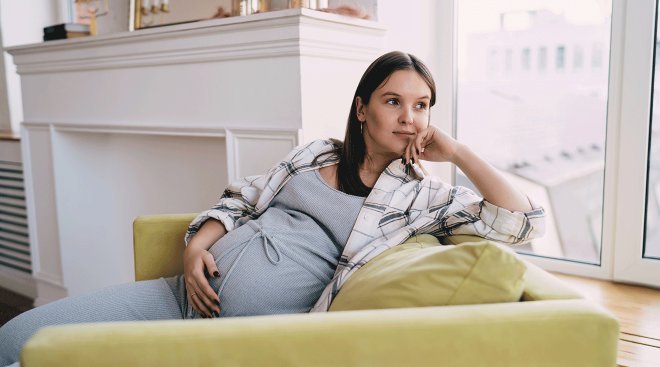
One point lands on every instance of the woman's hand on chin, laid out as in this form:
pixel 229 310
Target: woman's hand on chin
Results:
pixel 431 144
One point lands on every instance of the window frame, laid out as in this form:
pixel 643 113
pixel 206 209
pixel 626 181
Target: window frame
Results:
pixel 629 100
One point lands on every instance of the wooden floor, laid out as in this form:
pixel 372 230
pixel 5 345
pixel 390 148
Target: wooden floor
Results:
pixel 637 308
pixel 638 311
pixel 12 305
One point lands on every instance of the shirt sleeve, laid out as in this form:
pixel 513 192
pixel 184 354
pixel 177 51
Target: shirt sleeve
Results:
pixel 239 201
pixel 456 210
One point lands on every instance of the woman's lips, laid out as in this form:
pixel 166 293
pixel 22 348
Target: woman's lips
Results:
pixel 404 134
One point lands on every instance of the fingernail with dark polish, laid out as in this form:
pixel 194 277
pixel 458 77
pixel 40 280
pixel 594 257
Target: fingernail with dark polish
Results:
pixel 417 150
pixel 216 302
pixel 216 274
pixel 412 160
pixel 216 314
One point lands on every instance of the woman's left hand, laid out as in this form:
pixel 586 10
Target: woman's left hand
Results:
pixel 431 144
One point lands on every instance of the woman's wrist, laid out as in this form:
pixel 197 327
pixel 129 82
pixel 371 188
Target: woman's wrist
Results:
pixel 461 155
pixel 210 232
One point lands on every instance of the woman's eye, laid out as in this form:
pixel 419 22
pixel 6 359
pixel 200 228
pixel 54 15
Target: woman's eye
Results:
pixel 421 105
pixel 393 102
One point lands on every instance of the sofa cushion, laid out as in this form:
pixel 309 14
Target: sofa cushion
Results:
pixel 421 273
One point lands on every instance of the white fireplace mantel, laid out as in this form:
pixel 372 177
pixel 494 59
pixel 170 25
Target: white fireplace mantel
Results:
pixel 160 120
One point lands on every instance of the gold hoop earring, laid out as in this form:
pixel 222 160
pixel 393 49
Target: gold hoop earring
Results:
pixel 361 126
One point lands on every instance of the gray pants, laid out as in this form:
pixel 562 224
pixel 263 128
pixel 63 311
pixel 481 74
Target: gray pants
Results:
pixel 146 300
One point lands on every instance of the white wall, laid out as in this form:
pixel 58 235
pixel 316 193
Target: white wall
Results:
pixel 22 22
pixel 419 27
pixel 5 117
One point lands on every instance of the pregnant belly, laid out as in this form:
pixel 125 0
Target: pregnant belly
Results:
pixel 263 274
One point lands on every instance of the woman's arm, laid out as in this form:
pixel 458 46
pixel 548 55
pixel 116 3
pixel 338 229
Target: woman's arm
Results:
pixel 435 145
pixel 490 183
pixel 196 261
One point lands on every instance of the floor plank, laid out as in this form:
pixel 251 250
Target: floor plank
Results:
pixel 12 305
pixel 638 311
pixel 636 355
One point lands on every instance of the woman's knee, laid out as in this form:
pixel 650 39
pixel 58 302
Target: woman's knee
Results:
pixel 13 335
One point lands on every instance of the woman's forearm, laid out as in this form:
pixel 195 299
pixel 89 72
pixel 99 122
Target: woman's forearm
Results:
pixel 208 234
pixel 490 183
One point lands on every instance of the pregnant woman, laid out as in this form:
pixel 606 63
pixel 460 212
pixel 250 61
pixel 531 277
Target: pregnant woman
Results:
pixel 286 242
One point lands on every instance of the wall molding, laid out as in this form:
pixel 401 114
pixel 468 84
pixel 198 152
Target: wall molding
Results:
pixel 233 140
pixel 48 292
pixel 223 130
pixel 291 32
pixel 18 282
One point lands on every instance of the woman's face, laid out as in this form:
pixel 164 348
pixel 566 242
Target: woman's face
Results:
pixel 397 111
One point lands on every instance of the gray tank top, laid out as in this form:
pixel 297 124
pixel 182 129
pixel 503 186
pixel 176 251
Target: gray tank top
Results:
pixel 282 261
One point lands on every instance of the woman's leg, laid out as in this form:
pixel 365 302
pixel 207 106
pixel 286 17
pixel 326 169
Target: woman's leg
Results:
pixel 146 300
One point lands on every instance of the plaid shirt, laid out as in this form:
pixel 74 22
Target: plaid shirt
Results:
pixel 403 203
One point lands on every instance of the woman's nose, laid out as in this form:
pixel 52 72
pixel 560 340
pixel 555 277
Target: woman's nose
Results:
pixel 406 116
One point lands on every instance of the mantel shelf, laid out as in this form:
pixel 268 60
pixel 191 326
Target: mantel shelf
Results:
pixel 290 32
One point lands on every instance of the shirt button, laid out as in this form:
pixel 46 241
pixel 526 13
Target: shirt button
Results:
pixel 377 192
pixel 367 217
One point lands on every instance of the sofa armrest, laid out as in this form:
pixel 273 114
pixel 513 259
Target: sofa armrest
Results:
pixel 158 244
pixel 541 285
pixel 547 333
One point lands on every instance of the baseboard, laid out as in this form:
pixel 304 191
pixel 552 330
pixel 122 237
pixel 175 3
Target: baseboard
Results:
pixel 48 292
pixel 18 282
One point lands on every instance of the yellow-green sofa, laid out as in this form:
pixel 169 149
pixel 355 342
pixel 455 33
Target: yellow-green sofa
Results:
pixel 553 327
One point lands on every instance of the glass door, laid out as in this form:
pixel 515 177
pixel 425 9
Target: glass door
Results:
pixel 637 243
pixel 532 97
pixel 561 98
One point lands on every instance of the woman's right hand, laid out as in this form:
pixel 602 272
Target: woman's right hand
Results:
pixel 196 263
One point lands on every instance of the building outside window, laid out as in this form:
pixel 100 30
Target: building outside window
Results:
pixel 546 134
pixel 597 55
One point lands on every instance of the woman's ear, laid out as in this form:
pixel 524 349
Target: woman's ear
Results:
pixel 359 108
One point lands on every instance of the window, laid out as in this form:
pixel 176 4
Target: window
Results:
pixel 493 61
pixel 577 58
pixel 543 60
pixel 547 135
pixel 559 61
pixel 651 248
pixel 508 61
pixel 524 60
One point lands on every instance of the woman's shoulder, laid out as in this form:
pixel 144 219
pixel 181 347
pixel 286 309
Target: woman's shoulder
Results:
pixel 316 146
pixel 309 151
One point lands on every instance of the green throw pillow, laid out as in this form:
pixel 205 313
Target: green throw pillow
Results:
pixel 421 273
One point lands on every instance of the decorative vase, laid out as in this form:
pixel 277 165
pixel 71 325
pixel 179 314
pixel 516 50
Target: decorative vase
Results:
pixel 312 4
pixel 247 7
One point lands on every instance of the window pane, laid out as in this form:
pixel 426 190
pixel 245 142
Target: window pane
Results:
pixel 540 117
pixel 652 240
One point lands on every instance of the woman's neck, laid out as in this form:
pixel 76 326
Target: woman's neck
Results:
pixel 372 167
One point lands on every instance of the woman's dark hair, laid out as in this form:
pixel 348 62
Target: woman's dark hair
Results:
pixel 352 151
